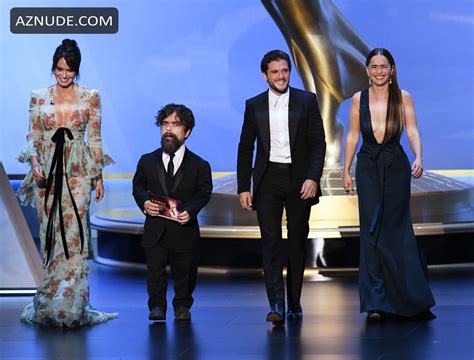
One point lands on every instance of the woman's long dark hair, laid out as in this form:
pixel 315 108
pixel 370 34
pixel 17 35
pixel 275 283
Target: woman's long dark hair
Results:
pixel 395 119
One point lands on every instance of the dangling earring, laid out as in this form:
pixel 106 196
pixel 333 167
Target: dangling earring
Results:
pixel 370 81
pixel 390 80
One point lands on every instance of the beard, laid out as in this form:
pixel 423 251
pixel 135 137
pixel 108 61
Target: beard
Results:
pixel 280 91
pixel 170 143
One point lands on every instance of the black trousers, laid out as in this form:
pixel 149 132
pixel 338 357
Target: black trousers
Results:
pixel 275 192
pixel 183 268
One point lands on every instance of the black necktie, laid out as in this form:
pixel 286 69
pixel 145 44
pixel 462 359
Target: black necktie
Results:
pixel 170 169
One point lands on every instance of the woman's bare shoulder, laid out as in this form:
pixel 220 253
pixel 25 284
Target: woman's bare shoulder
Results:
pixel 356 97
pixel 405 94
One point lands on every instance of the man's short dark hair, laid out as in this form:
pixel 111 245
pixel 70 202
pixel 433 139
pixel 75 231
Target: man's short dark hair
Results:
pixel 274 55
pixel 184 114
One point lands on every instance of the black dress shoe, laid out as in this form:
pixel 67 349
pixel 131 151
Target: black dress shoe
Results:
pixel 182 313
pixel 294 314
pixel 157 314
pixel 276 314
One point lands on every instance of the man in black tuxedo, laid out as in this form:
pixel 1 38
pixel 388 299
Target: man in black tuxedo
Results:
pixel 287 125
pixel 175 172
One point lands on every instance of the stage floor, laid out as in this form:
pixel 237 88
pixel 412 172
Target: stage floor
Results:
pixel 228 323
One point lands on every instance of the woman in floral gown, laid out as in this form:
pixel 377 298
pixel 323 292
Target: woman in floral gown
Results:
pixel 64 168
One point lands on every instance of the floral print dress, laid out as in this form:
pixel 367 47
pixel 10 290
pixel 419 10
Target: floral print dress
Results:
pixel 62 298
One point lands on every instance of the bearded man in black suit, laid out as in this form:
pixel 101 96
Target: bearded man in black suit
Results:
pixel 286 124
pixel 172 171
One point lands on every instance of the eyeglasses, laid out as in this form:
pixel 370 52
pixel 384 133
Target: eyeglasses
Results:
pixel 172 124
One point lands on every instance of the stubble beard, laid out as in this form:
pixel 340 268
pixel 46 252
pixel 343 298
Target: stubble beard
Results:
pixel 281 92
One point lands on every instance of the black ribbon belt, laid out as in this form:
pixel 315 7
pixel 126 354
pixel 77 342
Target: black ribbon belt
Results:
pixel 56 174
pixel 381 155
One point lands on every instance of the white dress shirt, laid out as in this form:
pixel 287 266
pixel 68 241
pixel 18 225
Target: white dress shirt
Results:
pixel 177 160
pixel 279 132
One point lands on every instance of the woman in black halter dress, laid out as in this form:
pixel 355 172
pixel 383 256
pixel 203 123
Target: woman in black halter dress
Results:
pixel 393 277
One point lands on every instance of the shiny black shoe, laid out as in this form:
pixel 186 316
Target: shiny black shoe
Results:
pixel 157 314
pixel 294 314
pixel 182 314
pixel 276 315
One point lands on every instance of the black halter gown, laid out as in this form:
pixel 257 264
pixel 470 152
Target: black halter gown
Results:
pixel 393 276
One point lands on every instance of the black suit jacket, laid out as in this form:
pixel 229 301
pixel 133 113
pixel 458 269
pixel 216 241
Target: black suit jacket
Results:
pixel 193 187
pixel 307 141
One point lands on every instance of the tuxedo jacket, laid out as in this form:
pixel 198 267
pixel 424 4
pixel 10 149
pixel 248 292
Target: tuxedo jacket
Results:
pixel 307 141
pixel 192 186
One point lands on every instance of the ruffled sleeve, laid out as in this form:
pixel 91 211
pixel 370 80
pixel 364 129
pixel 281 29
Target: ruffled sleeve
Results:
pixel 35 129
pixel 99 157
pixel 26 190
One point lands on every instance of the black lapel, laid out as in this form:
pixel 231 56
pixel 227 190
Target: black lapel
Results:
pixel 263 120
pixel 294 112
pixel 161 171
pixel 181 170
